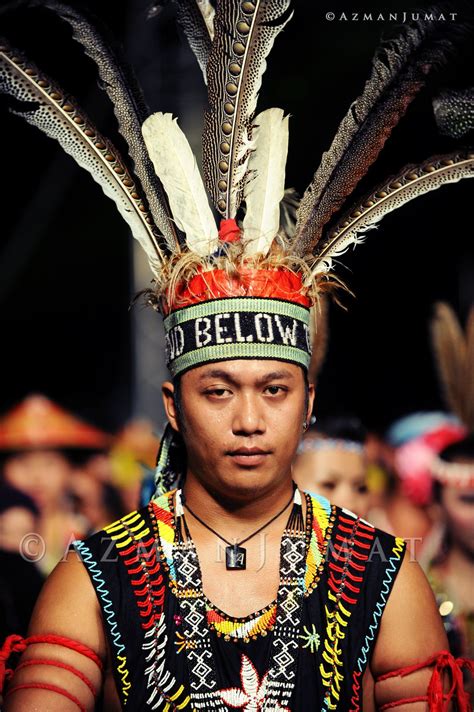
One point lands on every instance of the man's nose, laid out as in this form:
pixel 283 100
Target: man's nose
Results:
pixel 248 416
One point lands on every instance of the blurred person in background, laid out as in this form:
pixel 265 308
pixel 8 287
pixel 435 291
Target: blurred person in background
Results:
pixel 405 455
pixel 451 568
pixel 96 500
pixel 331 461
pixel 20 579
pixel 38 442
pixel 132 460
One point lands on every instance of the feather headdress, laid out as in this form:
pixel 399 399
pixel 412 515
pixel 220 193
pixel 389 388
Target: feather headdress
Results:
pixel 252 287
pixel 269 245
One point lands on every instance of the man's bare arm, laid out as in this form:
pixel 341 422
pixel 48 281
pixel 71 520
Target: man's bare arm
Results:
pixel 66 607
pixel 411 631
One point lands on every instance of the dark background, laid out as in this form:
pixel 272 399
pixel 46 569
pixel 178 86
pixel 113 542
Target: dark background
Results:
pixel 65 254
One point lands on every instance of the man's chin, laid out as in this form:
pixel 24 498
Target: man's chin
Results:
pixel 245 483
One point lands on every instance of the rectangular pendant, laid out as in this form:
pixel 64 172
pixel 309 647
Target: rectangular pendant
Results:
pixel 235 557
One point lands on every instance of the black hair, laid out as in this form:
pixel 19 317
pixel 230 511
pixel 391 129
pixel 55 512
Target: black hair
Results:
pixel 178 399
pixel 10 497
pixel 340 427
pixel 461 450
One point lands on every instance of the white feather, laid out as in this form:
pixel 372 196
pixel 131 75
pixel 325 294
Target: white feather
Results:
pixel 266 188
pixel 208 13
pixel 177 169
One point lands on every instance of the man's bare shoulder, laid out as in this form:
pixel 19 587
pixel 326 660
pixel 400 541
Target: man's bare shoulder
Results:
pixel 54 674
pixel 68 605
pixel 411 632
pixel 411 629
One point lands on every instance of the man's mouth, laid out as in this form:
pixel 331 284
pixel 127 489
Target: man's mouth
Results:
pixel 248 456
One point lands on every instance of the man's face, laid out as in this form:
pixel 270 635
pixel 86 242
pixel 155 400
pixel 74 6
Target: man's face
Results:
pixel 242 423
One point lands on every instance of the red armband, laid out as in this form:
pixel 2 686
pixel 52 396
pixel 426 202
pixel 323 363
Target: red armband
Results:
pixel 436 698
pixel 17 644
pixel 50 688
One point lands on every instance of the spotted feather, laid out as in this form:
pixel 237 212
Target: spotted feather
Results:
pixel 44 105
pixel 244 35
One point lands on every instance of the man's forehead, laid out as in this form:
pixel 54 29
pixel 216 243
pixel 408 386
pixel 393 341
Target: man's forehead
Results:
pixel 243 370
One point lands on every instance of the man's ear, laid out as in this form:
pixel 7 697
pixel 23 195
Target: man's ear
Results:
pixel 167 391
pixel 311 396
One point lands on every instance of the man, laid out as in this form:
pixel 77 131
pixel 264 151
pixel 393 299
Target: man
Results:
pixel 235 590
pixel 241 422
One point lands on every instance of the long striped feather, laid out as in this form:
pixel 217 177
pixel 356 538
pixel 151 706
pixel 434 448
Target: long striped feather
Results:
pixel 196 17
pixel 244 35
pixel 400 70
pixel 412 182
pixel 42 104
pixel 119 81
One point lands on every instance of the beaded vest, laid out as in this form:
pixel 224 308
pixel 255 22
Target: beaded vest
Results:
pixel 161 664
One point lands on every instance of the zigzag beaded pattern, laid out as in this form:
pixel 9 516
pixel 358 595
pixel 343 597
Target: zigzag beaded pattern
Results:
pixel 392 568
pixel 347 563
pixel 110 618
pixel 137 548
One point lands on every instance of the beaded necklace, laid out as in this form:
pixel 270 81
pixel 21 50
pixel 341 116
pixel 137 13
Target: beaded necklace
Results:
pixel 283 657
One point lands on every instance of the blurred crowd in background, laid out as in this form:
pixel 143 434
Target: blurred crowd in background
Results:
pixel 62 479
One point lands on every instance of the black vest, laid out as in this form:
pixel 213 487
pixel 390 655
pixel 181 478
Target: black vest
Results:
pixel 350 570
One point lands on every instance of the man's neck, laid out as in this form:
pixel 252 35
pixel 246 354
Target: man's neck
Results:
pixel 216 509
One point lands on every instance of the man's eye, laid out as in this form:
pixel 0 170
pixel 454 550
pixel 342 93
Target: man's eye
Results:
pixel 274 390
pixel 328 485
pixel 218 392
pixel 362 489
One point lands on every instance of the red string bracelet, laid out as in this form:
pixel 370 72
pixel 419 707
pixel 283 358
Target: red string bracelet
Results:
pixel 50 688
pixel 63 666
pixel 17 644
pixel 435 696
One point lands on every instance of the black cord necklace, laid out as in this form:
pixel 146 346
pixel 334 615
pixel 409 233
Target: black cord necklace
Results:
pixel 235 553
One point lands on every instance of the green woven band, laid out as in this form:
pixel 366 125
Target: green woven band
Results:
pixel 237 328
pixel 237 304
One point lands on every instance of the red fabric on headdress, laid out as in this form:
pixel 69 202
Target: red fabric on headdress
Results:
pixel 229 231
pixel 219 284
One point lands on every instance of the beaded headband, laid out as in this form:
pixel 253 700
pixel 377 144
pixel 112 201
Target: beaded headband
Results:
pixel 310 444
pixel 453 473
pixel 254 325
